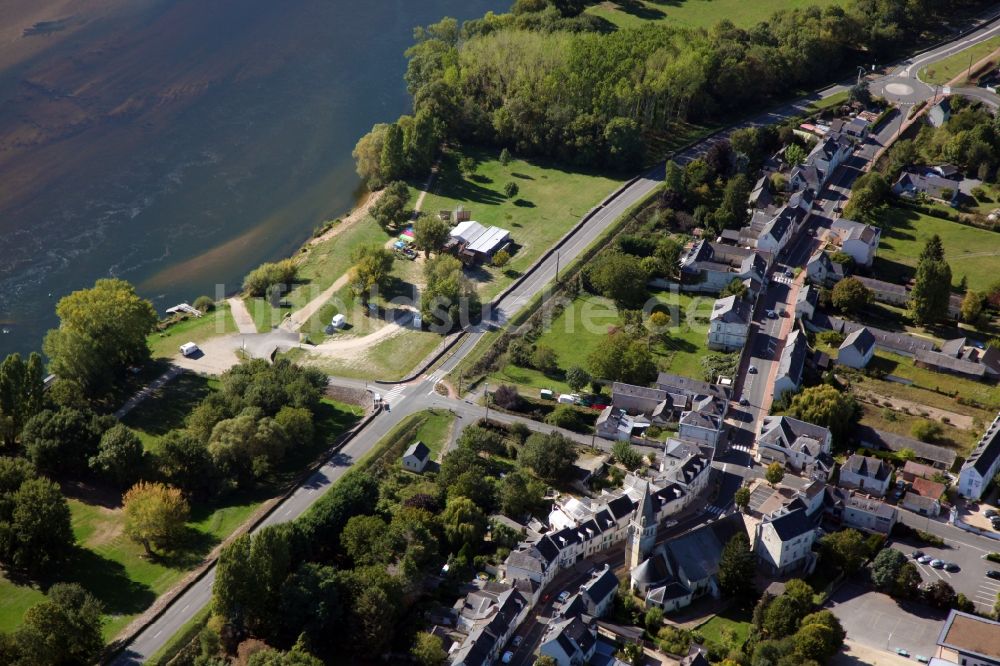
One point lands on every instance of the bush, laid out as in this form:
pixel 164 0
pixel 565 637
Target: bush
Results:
pixel 511 189
pixel 269 275
pixel 204 303
pixel 926 430
pixel 507 397
pixel 565 416
pixel 993 557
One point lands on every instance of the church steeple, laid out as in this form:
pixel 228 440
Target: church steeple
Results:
pixel 641 530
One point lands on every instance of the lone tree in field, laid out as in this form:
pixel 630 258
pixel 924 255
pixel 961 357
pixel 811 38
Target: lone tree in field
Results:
pixel 430 233
pixel 932 285
pixel 372 269
pixel 155 515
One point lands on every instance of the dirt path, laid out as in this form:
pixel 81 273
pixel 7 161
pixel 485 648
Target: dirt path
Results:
pixel 244 322
pixel 348 220
pixel 960 421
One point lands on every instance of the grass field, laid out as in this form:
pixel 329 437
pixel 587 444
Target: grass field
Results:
pixel 899 423
pixel 730 629
pixel 390 359
pixel 943 71
pixel 115 569
pixel 219 321
pixel 435 430
pixel 698 13
pixel 549 202
pixel 972 252
pixel 579 329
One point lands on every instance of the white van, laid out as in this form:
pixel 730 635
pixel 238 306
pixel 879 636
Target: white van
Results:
pixel 338 321
pixel 189 349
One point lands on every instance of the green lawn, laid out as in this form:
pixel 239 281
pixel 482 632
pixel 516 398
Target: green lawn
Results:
pixel 730 629
pixel 829 102
pixel 972 252
pixel 942 72
pixel 436 430
pixel 167 408
pixel 929 380
pixel 901 423
pixel 578 330
pixel 390 359
pixel 549 202
pixel 165 344
pixel 698 13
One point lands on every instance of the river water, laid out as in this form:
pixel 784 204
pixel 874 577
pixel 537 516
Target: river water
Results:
pixel 179 143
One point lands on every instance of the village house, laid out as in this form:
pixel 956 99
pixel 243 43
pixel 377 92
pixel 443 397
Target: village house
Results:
pixel 791 364
pixel 940 113
pixel 794 443
pixel 885 292
pixel 783 544
pixel 806 302
pixel 570 642
pixel 941 457
pixel 860 511
pixel 489 617
pixel 982 464
pixel 957 357
pixel 857 349
pixel 858 240
pixel 710 267
pixel 416 457
pixel 822 270
pixel 474 243
pixel 903 344
pixel 729 324
pixel 913 184
pixel 820 164
pixel 866 474
pixel 924 497
pixel 968 640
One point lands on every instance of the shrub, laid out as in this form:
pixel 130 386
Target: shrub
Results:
pixel 269 275
pixel 204 303
pixel 565 416
pixel 993 557
pixel 507 397
pixel 926 430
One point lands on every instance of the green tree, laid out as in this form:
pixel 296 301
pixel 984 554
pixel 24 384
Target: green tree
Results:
pixel 61 441
pixel 248 579
pixel 775 473
pixel 782 616
pixel 732 212
pixel 544 358
pixel 372 271
pixel 65 628
pixel 102 332
pixel 463 522
pixel 653 620
pixel 869 194
pixel 795 154
pixel 736 287
pixel 120 455
pixel 577 378
pixel 449 299
pixel 619 277
pixel 511 189
pixel 926 430
pixel 505 157
pixel 626 455
pixel 623 138
pixel 367 541
pixel 367 155
pixel 35 532
pixel 621 358
pixel 907 583
pixel 246 447
pixel 21 394
pixel 155 515
pixel 674 180
pixel 270 278
pixel 932 285
pixel 742 498
pixel 500 259
pixel 941 595
pixel 390 208
pixel 184 462
pixel 392 162
pixel 973 304
pixel 297 424
pixel 820 636
pixel 567 417
pixel 549 456
pixel 520 494
pixel 886 567
pixel 844 549
pixel 271 657
pixel 825 406
pixel 427 649
pixel 430 233
pixel 737 567
pixel 850 295
pixel 668 254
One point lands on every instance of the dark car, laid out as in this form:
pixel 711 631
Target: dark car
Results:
pixel 951 566
pixel 990 513
pixel 917 554
pixel 993 573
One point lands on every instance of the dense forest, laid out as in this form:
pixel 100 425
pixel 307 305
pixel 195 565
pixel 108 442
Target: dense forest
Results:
pixel 546 80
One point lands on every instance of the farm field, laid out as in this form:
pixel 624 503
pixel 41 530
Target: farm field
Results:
pixel 971 252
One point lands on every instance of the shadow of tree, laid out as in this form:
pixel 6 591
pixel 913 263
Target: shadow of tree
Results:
pixel 168 406
pixel 194 545
pixel 479 178
pixel 522 176
pixel 523 203
pixel 641 10
pixel 109 582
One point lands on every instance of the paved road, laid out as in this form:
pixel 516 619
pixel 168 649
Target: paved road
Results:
pixel 401 398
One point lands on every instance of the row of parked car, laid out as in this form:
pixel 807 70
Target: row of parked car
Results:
pixel 933 562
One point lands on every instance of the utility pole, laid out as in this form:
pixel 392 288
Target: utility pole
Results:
pixel 557 265
pixel 969 73
pixel 486 397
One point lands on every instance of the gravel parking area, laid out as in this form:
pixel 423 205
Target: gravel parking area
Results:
pixel 875 621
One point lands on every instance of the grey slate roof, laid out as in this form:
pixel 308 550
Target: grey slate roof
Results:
pixel 869 467
pixel 987 449
pixel 600 587
pixel 892 442
pixel 897 342
pixel 731 310
pixel 882 286
pixel 792 525
pixel 793 356
pixel 861 339
pixel 418 449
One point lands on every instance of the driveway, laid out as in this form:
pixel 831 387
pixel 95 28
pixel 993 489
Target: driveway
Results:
pixel 875 621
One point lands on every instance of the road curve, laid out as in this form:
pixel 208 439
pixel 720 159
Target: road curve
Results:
pixel 410 398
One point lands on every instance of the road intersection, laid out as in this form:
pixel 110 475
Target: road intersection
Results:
pixel 418 394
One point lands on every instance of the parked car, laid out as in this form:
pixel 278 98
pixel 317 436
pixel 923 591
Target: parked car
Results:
pixel 937 564
pixel 951 566
pixel 926 559
pixel 771 314
pixel 902 653
pixel 507 657
pixel 563 596
pixel 922 659
pixel 993 573
pixel 517 641
pixel 990 513
pixel 917 554
pixel 744 402
pixel 752 369
pixel 789 273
